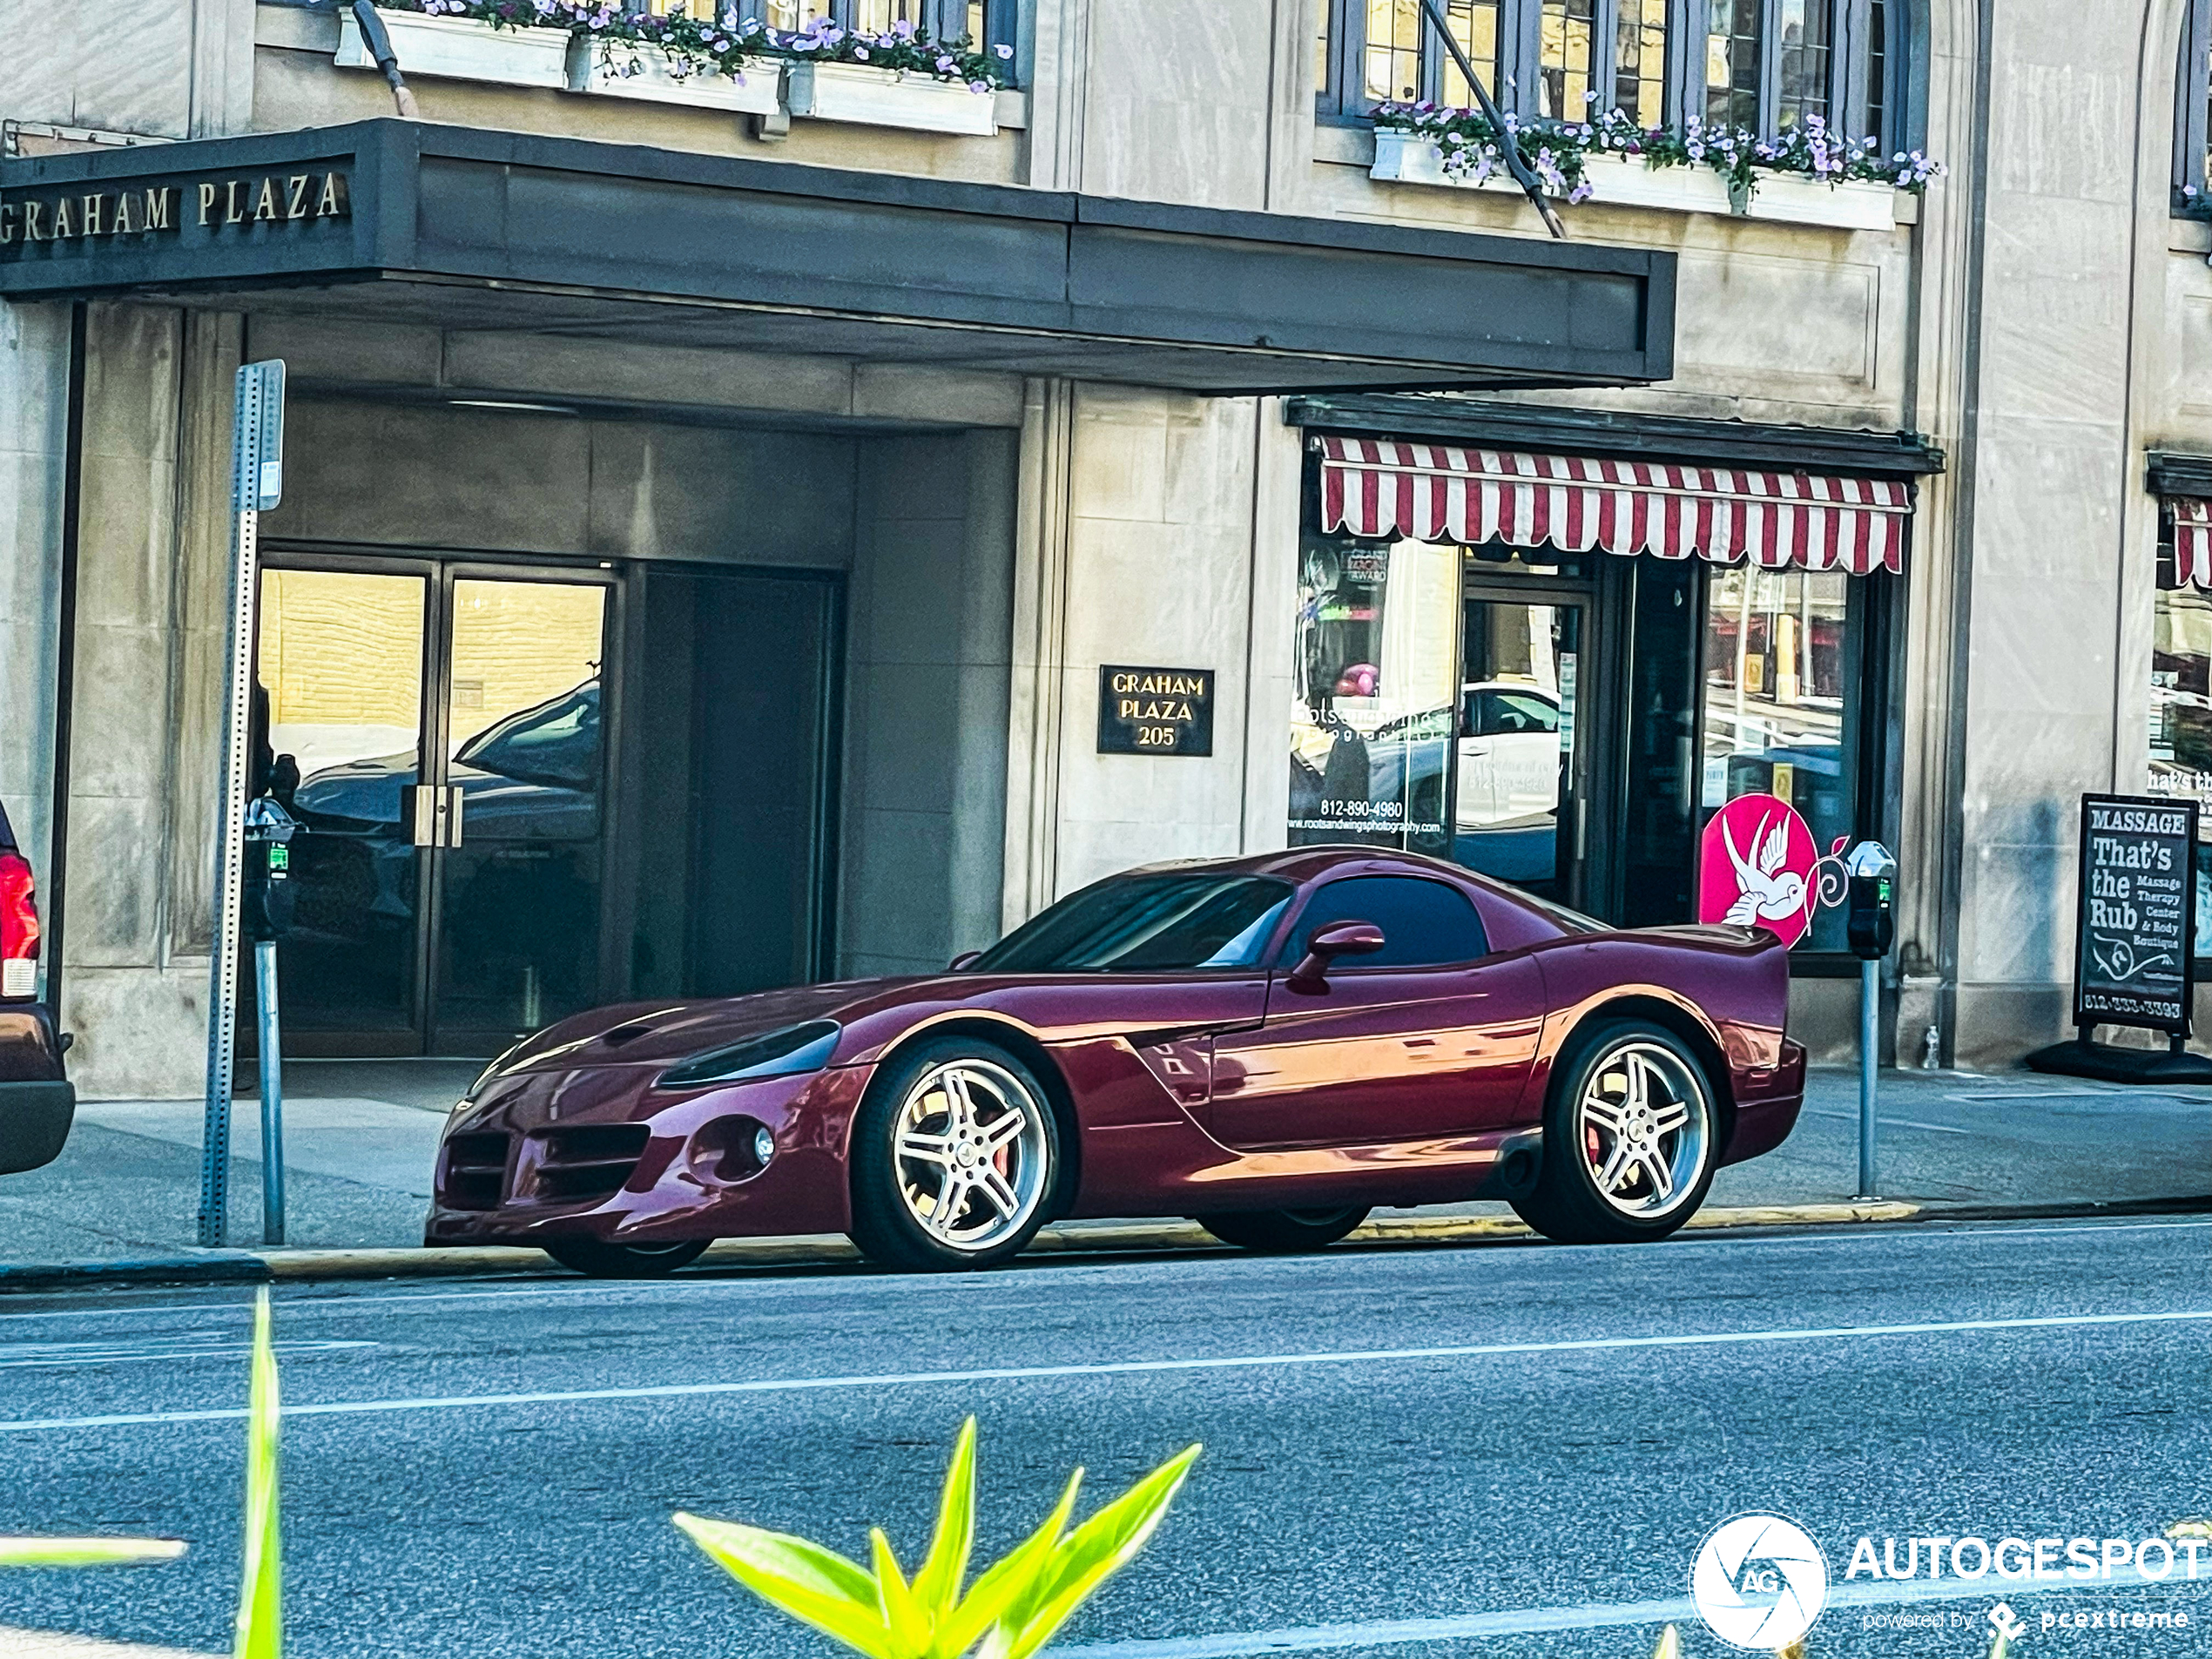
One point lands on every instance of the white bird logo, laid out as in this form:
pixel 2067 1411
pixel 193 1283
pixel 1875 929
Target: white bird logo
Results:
pixel 1766 893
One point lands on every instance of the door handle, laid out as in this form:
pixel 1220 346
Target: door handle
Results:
pixel 454 802
pixel 420 811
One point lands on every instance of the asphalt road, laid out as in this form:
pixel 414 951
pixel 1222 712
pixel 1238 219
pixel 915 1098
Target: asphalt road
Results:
pixel 1520 1444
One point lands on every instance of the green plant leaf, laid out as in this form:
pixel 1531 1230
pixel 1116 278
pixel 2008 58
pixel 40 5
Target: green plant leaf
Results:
pixel 1000 1588
pixel 815 1586
pixel 937 1584
pixel 260 1600
pixel 903 1616
pixel 86 1552
pixel 1088 1557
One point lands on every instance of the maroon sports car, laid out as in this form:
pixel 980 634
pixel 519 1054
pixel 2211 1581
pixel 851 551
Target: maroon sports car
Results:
pixel 1271 1045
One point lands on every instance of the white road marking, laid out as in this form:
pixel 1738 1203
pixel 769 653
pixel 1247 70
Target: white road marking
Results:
pixel 187 1344
pixel 56 1644
pixel 1118 1368
pixel 1597 1615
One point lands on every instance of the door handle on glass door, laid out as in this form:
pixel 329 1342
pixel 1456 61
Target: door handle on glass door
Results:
pixel 455 801
pixel 419 808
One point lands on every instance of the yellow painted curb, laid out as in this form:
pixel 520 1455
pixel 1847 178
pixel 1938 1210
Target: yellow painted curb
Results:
pixel 446 1260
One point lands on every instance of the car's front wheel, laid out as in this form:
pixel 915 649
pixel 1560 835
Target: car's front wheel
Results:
pixel 1282 1232
pixel 602 1260
pixel 1631 1138
pixel 955 1155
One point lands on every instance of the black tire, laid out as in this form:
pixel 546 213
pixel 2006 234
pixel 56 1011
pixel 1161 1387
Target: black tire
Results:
pixel 1282 1232
pixel 892 1188
pixel 1567 1203
pixel 599 1259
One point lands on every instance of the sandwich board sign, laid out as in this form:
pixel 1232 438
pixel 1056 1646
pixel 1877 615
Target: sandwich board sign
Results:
pixel 2135 926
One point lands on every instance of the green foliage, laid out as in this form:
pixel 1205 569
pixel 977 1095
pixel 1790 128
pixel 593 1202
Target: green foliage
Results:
pixel 260 1600
pixel 1012 1610
pixel 86 1552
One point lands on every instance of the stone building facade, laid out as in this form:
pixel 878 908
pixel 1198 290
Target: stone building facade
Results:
pixel 879 560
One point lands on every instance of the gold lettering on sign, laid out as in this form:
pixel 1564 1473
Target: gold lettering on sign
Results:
pixel 63 224
pixel 207 203
pixel 158 201
pixel 265 205
pixel 34 221
pixel 335 201
pixel 233 212
pixel 8 213
pixel 123 227
pixel 295 196
pixel 94 216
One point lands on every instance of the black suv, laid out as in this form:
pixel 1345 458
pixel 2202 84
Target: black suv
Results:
pixel 37 1101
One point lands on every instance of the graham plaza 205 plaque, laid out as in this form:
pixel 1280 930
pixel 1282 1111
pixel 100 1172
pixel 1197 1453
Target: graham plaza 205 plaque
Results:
pixel 2136 927
pixel 1154 710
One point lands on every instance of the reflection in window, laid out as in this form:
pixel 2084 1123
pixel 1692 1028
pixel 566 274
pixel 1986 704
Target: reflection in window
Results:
pixel 1372 715
pixel 1566 86
pixel 1804 90
pixel 2180 716
pixel 1397 66
pixel 1776 685
pixel 1874 117
pixel 1732 63
pixel 1640 60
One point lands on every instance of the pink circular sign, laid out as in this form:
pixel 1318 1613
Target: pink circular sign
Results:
pixel 1756 867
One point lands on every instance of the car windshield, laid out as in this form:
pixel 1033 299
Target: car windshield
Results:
pixel 1154 923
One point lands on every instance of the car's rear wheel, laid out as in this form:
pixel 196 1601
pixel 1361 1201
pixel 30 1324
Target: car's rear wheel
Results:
pixel 955 1155
pixel 1282 1232
pixel 603 1260
pixel 1630 1137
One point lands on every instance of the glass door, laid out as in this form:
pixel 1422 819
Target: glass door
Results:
pixel 340 661
pixel 1518 770
pixel 517 826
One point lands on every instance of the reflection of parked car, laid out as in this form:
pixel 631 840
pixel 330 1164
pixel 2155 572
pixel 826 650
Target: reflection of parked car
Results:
pixel 36 1100
pixel 531 777
pixel 1508 734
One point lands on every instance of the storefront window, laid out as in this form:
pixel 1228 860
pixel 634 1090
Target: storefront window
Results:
pixel 1779 694
pixel 2180 720
pixel 1373 702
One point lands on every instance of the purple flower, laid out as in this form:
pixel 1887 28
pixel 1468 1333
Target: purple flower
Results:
pixel 860 52
pixel 1003 51
pixel 944 63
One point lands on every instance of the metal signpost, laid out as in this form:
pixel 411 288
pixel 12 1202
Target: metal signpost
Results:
pixel 257 485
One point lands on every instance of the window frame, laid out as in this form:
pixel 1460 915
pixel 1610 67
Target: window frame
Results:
pixel 2193 90
pixel 998 16
pixel 1339 98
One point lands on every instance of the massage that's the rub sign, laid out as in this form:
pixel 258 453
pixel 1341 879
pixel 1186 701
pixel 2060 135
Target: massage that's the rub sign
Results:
pixel 1154 710
pixel 83 214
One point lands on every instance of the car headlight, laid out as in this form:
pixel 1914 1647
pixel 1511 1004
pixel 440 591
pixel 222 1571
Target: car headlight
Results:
pixel 469 1097
pixel 780 1054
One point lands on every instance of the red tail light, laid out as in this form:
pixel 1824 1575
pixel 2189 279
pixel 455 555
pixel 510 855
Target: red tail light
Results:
pixel 18 926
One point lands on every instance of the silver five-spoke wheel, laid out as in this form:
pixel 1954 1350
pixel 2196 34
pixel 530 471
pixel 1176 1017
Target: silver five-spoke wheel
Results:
pixel 971 1153
pixel 1642 1123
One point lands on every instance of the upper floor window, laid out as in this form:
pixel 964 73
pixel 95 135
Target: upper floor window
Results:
pixel 985 23
pixel 1767 65
pixel 2193 121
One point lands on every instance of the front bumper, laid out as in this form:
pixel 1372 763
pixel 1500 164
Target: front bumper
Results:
pixel 511 1166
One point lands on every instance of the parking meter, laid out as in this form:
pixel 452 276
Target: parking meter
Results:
pixel 1870 921
pixel 266 899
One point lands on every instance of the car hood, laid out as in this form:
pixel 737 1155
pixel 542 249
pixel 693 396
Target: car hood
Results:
pixel 659 1033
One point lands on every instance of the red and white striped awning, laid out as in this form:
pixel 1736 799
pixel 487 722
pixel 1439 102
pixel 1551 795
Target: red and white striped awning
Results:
pixel 2192 540
pixel 1373 486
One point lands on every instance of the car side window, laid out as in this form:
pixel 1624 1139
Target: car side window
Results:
pixel 1425 924
pixel 1505 713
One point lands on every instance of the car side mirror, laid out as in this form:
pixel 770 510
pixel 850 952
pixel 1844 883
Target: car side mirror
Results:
pixel 1337 939
pixel 963 962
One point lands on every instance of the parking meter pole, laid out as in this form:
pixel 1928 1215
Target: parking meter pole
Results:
pixel 1870 1025
pixel 264 1002
pixel 257 450
pixel 1869 927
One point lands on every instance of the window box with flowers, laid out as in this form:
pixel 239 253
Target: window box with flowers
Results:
pixel 900 77
pixel 462 47
pixel 1807 176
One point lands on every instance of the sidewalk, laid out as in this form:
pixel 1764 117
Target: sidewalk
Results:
pixel 360 1137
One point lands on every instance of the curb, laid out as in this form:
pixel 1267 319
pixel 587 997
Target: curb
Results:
pixel 1096 1238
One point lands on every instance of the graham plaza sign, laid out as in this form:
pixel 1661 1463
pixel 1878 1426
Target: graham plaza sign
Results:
pixel 81 216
